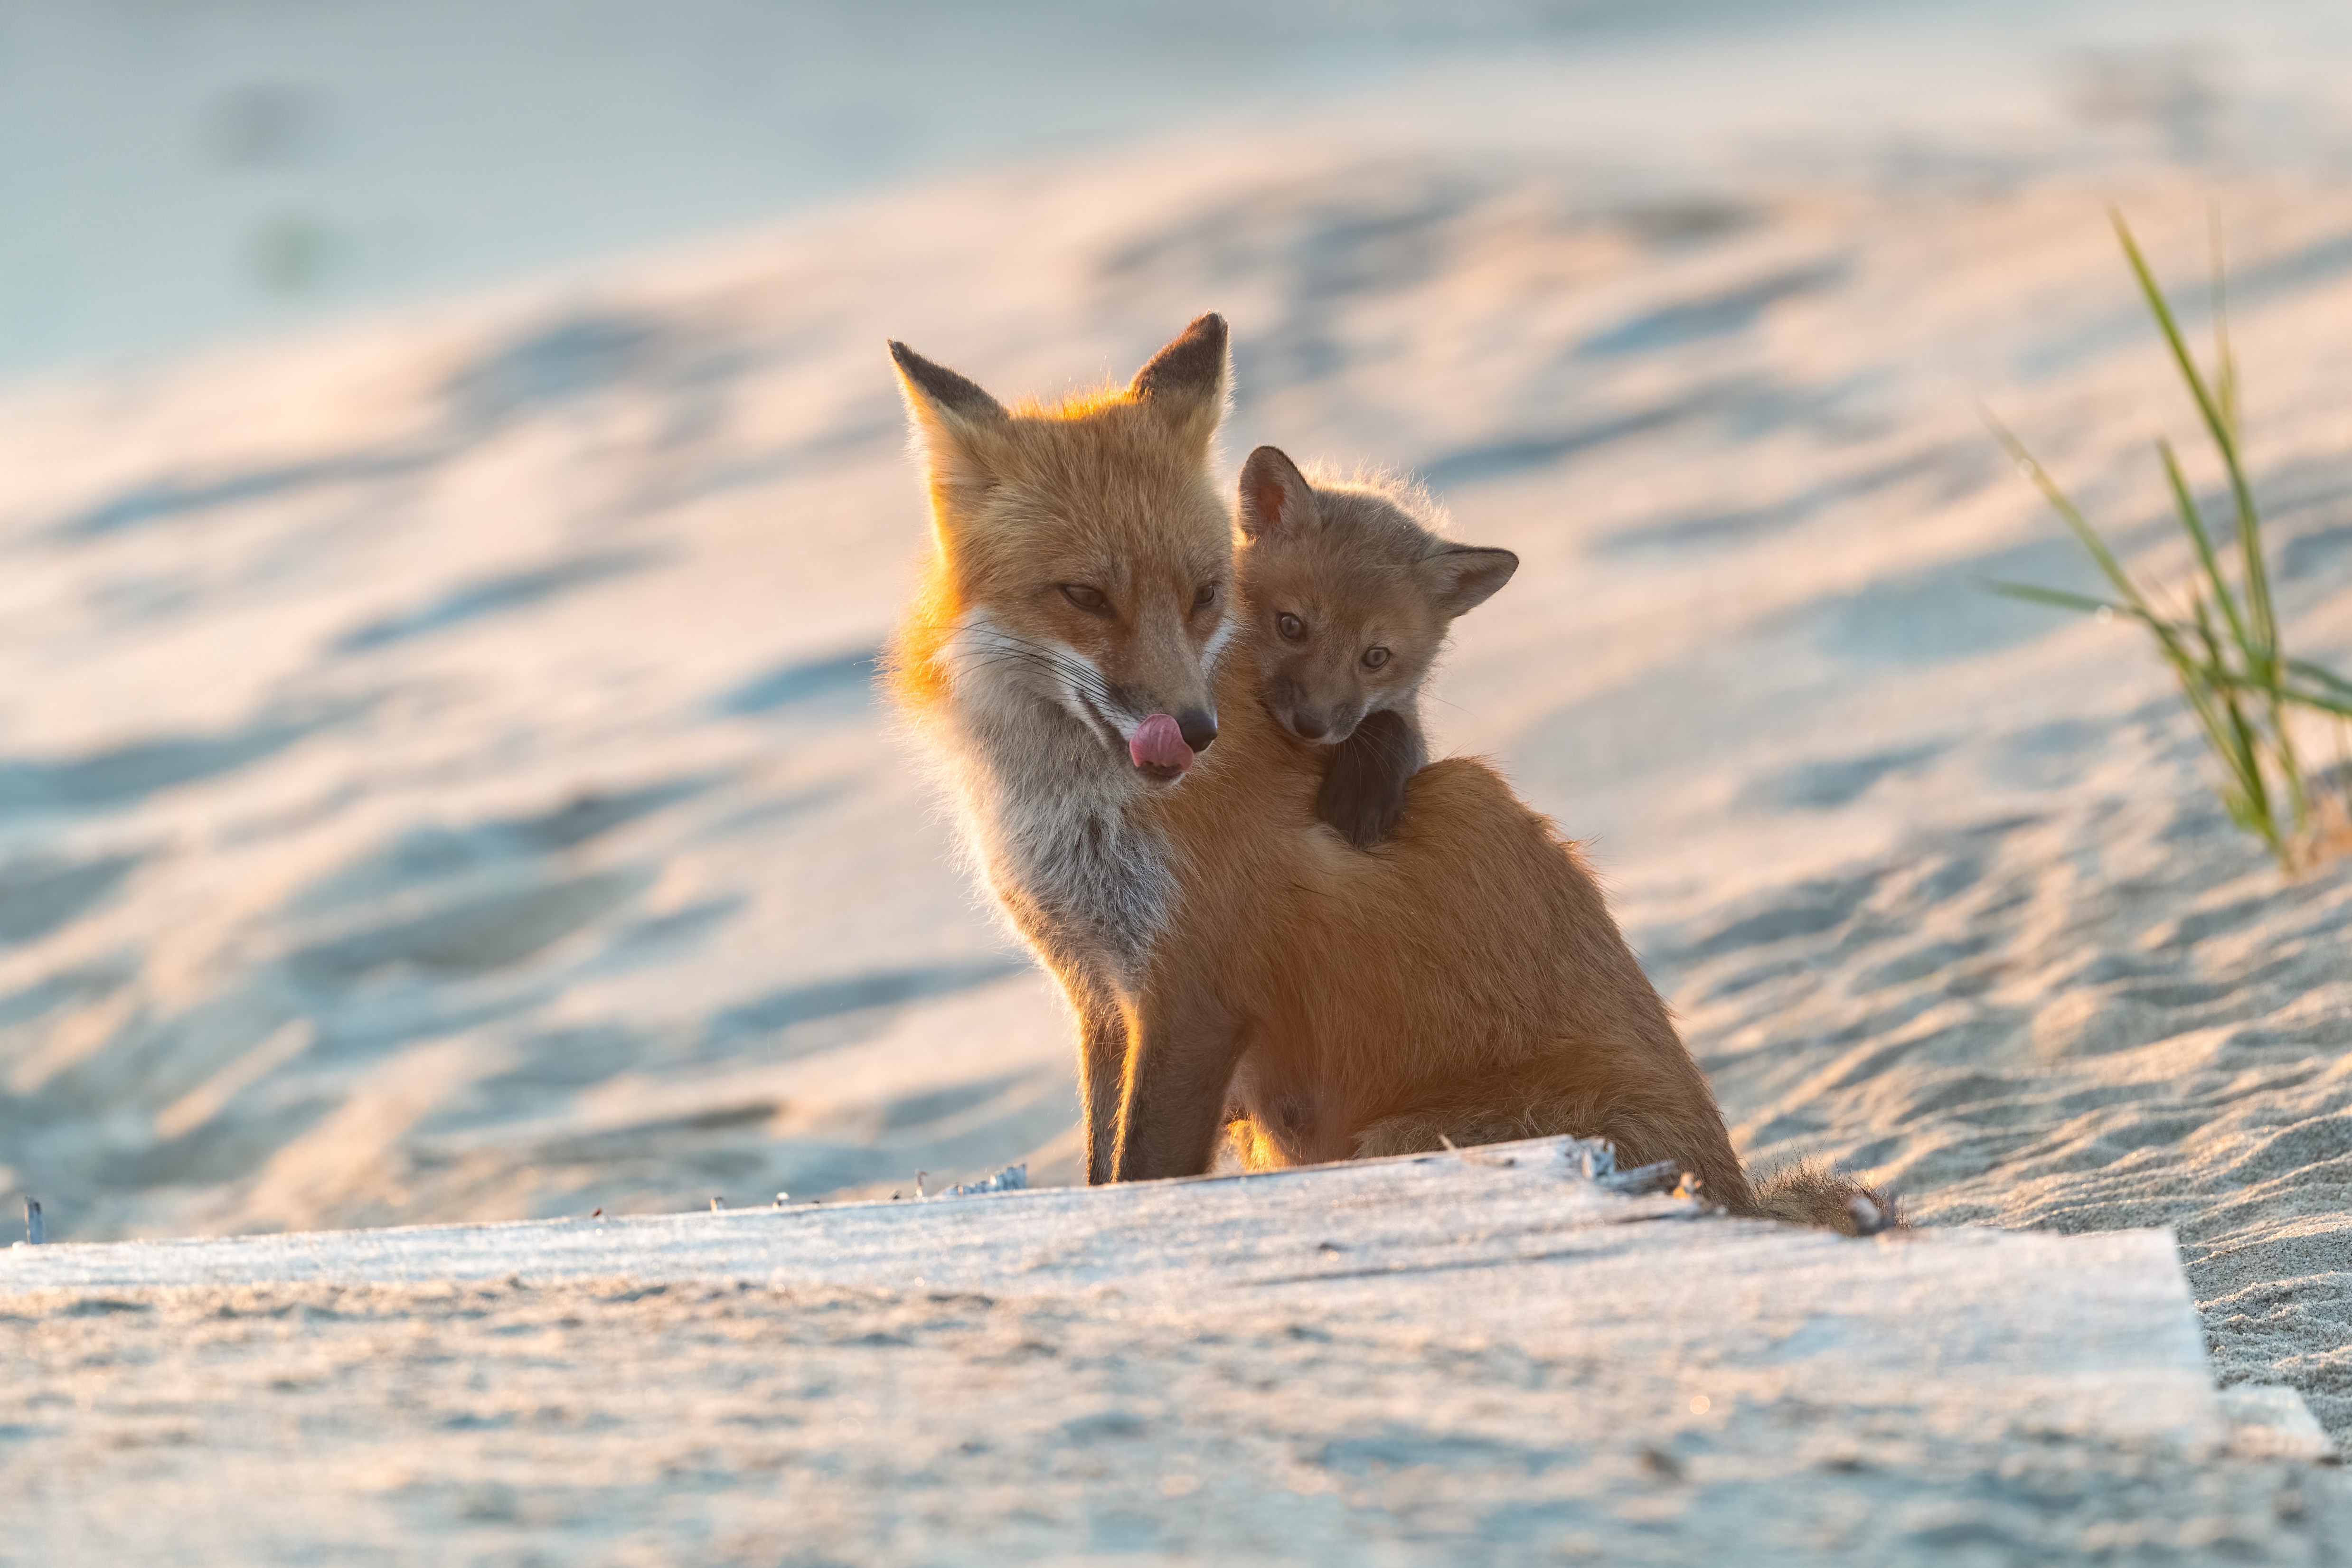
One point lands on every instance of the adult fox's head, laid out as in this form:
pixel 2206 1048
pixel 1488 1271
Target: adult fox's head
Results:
pixel 1083 558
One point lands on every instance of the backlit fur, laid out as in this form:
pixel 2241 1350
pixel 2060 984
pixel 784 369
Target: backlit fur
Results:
pixel 1463 982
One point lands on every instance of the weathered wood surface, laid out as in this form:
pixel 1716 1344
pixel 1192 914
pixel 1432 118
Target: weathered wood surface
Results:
pixel 1482 1357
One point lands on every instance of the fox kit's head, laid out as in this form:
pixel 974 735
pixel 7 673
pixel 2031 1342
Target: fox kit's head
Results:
pixel 1349 594
pixel 1085 561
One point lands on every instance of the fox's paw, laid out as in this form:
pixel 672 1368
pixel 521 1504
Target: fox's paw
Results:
pixel 1364 787
pixel 1365 815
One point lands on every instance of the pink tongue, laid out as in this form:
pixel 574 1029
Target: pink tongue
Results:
pixel 1158 742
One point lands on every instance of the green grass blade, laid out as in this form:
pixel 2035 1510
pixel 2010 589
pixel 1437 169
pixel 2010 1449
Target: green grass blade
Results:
pixel 2194 522
pixel 2260 646
pixel 2263 620
pixel 2066 508
pixel 2224 651
pixel 2059 597
pixel 2243 747
pixel 2319 702
pixel 2333 694
pixel 2327 679
pixel 2225 362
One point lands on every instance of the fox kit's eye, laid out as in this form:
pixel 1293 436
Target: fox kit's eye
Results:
pixel 1088 599
pixel 1206 597
pixel 1291 627
pixel 1375 656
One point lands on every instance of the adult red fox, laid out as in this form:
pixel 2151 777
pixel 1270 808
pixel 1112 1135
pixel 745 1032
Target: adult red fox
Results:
pixel 1150 829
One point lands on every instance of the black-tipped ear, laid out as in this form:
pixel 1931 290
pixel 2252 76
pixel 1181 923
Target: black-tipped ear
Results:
pixel 1186 380
pixel 955 421
pixel 1461 577
pixel 1277 499
pixel 945 389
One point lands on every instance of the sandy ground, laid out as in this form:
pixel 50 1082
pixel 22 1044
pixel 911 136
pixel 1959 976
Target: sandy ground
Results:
pixel 437 777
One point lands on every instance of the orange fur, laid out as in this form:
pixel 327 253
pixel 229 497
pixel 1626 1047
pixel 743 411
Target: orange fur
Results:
pixel 1463 982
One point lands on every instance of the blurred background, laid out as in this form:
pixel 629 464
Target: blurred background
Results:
pixel 179 172
pixel 454 494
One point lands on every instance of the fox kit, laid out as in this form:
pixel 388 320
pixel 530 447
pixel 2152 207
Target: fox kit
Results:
pixel 1351 595
pixel 1150 829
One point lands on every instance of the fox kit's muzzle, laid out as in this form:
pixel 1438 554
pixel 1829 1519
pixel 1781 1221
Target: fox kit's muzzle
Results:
pixel 1329 727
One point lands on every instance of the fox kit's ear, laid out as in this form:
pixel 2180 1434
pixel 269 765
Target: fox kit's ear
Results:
pixel 1276 496
pixel 1186 380
pixel 955 421
pixel 1460 578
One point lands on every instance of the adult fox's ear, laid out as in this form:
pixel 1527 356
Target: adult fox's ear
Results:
pixel 1460 578
pixel 1185 381
pixel 1277 499
pixel 956 423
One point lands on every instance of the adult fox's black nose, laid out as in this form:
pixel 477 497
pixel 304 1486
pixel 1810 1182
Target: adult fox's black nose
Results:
pixel 1199 728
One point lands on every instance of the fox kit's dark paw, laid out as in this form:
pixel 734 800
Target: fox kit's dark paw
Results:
pixel 1365 810
pixel 1364 787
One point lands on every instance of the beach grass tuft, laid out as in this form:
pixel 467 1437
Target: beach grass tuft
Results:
pixel 2223 647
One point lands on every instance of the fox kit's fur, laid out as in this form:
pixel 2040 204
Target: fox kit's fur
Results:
pixel 1149 829
pixel 1329 571
pixel 1349 594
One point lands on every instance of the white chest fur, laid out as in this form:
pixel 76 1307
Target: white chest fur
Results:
pixel 1047 811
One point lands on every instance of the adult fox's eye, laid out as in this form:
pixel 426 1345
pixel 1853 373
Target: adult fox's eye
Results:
pixel 1291 627
pixel 1374 657
pixel 1206 597
pixel 1085 597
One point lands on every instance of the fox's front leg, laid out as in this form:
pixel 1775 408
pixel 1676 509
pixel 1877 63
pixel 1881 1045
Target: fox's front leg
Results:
pixel 1181 1050
pixel 1102 1071
pixel 1363 788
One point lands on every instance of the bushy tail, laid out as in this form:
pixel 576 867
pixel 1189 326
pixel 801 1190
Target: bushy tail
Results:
pixel 1810 1194
pixel 1641 1137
